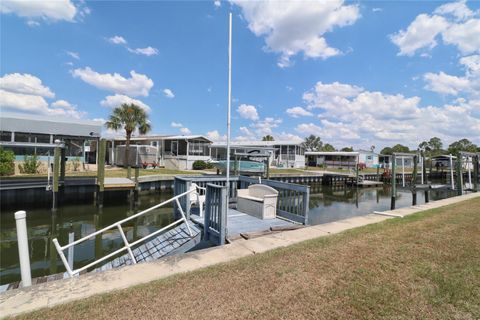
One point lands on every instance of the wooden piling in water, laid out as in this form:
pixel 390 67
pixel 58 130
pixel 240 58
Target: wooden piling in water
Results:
pixel 137 187
pixel 56 176
pixel 102 145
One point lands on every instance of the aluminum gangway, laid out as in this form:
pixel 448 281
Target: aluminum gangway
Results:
pixel 178 237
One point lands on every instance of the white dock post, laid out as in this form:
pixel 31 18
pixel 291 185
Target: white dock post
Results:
pixel 403 171
pixel 71 238
pixel 23 254
pixel 452 180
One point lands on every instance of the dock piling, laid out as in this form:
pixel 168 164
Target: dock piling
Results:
pixel 56 175
pixel 394 183
pixel 23 254
pixel 101 172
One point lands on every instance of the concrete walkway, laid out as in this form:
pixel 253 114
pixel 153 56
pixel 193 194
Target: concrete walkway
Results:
pixel 53 293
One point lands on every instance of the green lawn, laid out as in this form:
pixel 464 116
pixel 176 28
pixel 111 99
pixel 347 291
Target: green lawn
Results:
pixel 424 266
pixel 112 173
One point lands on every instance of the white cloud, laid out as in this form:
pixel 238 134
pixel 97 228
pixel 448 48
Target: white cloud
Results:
pixel 176 124
pixel 466 36
pixel 455 22
pixel 45 10
pixel 26 84
pixel 36 104
pixel 148 51
pixel 248 112
pixel 467 85
pixel 168 93
pixel 119 99
pixel 445 84
pixel 421 33
pixel 136 85
pixel 472 64
pixel 74 55
pixel 377 9
pixel 23 102
pixel 296 112
pixel 357 116
pixel 185 131
pixel 216 136
pixel 458 10
pixel 32 23
pixel 63 104
pixel 265 126
pixel 217 3
pixel 292 27
pixel 117 40
pixel 308 128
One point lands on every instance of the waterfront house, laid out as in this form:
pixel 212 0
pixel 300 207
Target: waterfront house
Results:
pixel 283 154
pixel 368 158
pixel 172 151
pixel 332 159
pixel 27 134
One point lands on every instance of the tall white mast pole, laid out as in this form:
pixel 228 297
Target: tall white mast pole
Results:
pixel 229 100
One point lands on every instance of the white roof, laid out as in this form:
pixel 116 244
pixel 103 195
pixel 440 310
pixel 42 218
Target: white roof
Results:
pixel 331 153
pixel 257 143
pixel 29 123
pixel 162 137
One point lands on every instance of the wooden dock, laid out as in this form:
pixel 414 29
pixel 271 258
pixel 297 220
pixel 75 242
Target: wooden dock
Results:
pixel 119 184
pixel 240 224
pixel 368 183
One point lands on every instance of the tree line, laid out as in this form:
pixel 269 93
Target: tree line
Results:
pixel 432 147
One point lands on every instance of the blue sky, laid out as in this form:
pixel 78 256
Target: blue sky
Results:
pixel 354 73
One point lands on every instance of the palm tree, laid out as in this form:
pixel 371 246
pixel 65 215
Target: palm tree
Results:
pixel 312 143
pixel 268 138
pixel 130 117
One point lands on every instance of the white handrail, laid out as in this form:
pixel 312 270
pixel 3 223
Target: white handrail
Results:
pixel 127 245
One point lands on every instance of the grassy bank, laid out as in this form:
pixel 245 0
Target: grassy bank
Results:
pixel 425 266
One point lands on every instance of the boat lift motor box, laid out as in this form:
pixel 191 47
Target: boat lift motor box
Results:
pixel 139 154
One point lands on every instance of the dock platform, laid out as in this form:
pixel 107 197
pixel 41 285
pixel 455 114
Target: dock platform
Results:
pixel 368 183
pixel 242 224
pixel 118 183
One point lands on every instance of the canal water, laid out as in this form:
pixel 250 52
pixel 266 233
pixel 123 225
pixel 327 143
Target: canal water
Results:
pixel 327 203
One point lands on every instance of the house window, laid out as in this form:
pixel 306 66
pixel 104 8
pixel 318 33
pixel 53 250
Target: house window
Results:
pixel 6 136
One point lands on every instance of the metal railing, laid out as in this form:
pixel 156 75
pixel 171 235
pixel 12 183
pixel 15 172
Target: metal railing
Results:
pixel 127 245
pixel 293 199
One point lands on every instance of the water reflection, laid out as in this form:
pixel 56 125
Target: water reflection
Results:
pixel 82 219
pixel 331 203
pixel 327 203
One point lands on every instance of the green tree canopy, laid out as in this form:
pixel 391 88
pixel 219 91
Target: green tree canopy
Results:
pixel 347 149
pixel 400 148
pixel 462 145
pixel 432 147
pixel 328 147
pixel 386 151
pixel 129 117
pixel 313 143
pixel 268 138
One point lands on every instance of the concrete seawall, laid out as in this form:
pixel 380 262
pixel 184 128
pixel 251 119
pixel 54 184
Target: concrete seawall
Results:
pixel 63 291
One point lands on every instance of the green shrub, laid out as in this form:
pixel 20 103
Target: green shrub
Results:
pixel 7 164
pixel 30 164
pixel 199 165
